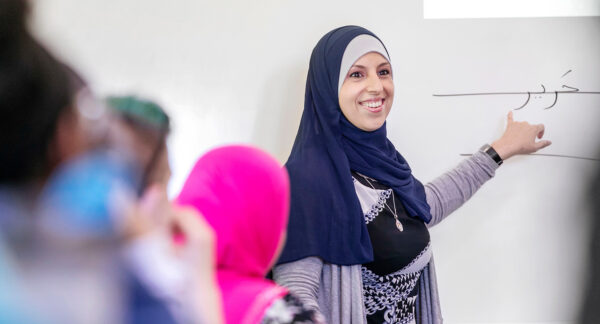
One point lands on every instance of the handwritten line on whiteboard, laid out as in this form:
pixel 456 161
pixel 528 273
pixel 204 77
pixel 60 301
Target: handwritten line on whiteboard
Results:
pixel 511 93
pixel 571 90
pixel 528 93
pixel 554 155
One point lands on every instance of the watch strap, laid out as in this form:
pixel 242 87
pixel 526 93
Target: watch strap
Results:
pixel 489 150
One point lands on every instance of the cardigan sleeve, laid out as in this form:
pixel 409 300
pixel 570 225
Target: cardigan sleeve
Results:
pixel 450 190
pixel 302 278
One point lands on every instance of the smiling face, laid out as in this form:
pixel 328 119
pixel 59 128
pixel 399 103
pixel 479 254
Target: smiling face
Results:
pixel 367 93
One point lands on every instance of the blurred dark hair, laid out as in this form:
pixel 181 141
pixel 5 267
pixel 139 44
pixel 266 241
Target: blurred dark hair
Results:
pixel 13 16
pixel 35 88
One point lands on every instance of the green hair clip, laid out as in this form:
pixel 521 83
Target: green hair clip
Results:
pixel 139 110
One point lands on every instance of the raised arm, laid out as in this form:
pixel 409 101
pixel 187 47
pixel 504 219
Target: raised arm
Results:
pixel 449 191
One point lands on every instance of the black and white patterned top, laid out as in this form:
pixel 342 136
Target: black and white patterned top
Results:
pixel 391 281
pixel 288 310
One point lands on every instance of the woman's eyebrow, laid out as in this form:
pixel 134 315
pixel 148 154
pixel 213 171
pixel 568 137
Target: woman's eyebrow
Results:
pixel 362 67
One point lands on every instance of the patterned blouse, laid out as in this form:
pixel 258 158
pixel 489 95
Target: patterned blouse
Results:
pixel 289 309
pixel 401 251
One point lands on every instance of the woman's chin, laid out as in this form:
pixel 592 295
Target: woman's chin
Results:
pixel 372 126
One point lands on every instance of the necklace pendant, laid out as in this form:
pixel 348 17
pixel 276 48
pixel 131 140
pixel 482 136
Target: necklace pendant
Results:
pixel 399 226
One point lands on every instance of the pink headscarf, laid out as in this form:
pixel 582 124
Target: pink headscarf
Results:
pixel 244 195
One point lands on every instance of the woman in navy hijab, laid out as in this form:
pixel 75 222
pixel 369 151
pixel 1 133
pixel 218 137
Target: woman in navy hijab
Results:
pixel 358 247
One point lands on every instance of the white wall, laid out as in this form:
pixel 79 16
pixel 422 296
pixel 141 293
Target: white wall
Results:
pixel 234 71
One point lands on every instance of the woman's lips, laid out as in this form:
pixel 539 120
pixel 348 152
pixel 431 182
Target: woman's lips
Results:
pixel 373 105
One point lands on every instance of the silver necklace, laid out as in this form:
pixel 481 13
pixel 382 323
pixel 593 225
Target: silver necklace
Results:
pixel 398 224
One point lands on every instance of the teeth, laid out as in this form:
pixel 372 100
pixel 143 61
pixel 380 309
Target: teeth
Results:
pixel 373 104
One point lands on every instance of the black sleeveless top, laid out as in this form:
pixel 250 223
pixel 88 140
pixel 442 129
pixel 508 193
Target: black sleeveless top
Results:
pixel 400 249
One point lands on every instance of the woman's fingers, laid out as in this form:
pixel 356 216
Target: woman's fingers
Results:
pixel 199 246
pixel 195 229
pixel 540 130
pixel 155 204
pixel 520 138
pixel 541 144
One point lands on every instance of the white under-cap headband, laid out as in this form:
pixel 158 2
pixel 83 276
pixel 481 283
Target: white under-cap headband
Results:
pixel 359 46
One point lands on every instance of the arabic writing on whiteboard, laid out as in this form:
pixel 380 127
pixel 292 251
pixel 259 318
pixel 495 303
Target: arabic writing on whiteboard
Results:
pixel 566 90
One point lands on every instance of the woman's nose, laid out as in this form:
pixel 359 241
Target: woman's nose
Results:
pixel 374 83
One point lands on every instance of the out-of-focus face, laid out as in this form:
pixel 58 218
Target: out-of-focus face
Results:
pixel 124 138
pixel 161 170
pixel 70 137
pixel 367 94
pixel 76 131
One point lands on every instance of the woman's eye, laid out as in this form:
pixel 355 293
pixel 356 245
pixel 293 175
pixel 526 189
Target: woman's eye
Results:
pixel 355 75
pixel 384 72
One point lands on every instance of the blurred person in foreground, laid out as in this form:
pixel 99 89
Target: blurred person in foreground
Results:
pixel 140 126
pixel 243 193
pixel 57 277
pixel 68 204
pixel 590 313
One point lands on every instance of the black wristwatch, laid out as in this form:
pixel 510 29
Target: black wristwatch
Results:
pixel 489 150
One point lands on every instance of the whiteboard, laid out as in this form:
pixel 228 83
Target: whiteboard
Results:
pixel 234 71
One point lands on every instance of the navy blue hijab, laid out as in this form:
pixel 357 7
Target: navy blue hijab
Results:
pixel 325 215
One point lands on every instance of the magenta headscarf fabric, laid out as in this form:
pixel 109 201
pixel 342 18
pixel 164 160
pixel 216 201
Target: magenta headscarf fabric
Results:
pixel 244 195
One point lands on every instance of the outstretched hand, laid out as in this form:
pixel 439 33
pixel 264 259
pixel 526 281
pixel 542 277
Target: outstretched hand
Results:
pixel 520 138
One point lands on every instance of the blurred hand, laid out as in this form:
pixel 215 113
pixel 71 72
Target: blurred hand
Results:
pixel 520 138
pixel 155 214
pixel 151 214
pixel 156 218
pixel 198 246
